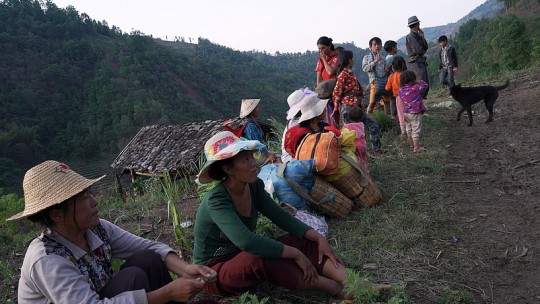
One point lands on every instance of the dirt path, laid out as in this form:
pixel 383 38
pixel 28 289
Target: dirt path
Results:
pixel 497 193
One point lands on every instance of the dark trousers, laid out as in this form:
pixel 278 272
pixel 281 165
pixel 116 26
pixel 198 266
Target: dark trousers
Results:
pixel 143 270
pixel 373 128
pixel 446 75
pixel 420 69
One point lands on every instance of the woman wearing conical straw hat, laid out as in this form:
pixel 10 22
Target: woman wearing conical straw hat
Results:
pixel 249 112
pixel 70 262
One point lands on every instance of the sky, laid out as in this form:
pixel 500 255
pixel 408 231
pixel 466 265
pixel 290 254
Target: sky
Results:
pixel 287 26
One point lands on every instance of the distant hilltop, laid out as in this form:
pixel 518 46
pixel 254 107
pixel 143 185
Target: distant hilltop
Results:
pixel 488 9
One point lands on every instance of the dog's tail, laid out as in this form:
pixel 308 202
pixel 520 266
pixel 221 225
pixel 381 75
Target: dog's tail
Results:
pixel 504 86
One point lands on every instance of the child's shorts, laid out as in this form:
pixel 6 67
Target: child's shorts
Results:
pixel 413 123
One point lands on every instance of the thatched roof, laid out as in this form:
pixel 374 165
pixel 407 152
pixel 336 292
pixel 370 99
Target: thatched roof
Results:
pixel 176 148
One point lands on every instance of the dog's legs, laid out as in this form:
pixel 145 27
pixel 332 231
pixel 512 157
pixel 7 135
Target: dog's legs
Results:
pixel 469 112
pixel 459 113
pixel 490 101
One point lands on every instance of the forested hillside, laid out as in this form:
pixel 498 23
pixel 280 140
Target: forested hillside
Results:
pixel 72 87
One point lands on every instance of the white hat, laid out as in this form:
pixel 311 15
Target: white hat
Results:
pixel 48 184
pixel 248 105
pixel 295 100
pixel 221 146
pixel 311 106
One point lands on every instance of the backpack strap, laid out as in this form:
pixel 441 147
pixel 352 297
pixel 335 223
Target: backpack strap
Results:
pixel 299 190
pixel 363 180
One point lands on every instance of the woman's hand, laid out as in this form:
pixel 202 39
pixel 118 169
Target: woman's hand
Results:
pixel 323 247
pixel 322 55
pixel 309 271
pixel 326 250
pixel 207 274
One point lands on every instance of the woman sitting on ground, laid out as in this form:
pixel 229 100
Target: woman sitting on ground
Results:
pixel 311 121
pixel 70 262
pixel 249 112
pixel 225 238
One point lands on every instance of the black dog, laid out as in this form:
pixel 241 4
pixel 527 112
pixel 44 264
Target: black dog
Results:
pixel 469 96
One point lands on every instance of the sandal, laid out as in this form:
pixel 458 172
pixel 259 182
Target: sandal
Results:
pixel 419 150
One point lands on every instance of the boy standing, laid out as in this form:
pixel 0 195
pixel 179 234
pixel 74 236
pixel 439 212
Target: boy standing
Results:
pixel 390 47
pixel 448 62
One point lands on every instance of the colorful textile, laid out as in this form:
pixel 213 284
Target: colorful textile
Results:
pixel 411 95
pixel 55 268
pixel 359 140
pixel 347 90
pixel 253 131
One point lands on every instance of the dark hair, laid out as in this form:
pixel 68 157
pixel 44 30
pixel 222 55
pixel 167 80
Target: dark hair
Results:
pixel 216 172
pixel 399 64
pixel 376 39
pixel 344 58
pixel 388 45
pixel 356 114
pixel 326 41
pixel 43 217
pixel 339 49
pixel 407 77
pixel 442 38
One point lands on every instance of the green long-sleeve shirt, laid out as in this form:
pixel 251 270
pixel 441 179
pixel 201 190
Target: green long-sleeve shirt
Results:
pixel 221 231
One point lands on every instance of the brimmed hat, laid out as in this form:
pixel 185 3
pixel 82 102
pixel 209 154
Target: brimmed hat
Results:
pixel 221 146
pixel 248 105
pixel 412 20
pixel 312 106
pixel 295 100
pixel 48 184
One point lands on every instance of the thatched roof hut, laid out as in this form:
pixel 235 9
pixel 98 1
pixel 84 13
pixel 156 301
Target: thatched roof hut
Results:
pixel 176 148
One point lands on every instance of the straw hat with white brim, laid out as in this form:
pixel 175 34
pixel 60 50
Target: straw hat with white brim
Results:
pixel 312 107
pixel 295 100
pixel 48 184
pixel 248 105
pixel 221 146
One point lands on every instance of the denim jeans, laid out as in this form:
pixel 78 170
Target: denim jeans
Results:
pixel 373 128
pixel 447 76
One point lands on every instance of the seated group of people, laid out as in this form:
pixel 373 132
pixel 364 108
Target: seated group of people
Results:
pixel 71 261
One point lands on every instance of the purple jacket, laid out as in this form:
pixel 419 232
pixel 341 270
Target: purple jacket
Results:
pixel 411 95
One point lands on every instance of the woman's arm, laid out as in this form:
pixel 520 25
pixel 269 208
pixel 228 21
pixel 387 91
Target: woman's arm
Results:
pixel 178 266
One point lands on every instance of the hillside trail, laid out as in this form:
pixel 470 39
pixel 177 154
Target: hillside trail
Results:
pixel 494 182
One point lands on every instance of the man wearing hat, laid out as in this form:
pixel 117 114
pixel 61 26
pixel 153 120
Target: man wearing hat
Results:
pixel 416 48
pixel 71 261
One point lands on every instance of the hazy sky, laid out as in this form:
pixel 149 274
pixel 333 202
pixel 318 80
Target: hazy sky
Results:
pixel 277 25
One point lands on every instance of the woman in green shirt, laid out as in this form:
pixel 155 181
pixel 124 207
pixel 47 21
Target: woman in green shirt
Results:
pixel 225 238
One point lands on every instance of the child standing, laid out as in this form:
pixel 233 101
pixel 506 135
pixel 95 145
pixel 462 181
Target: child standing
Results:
pixel 398 65
pixel 413 107
pixel 375 66
pixel 347 91
pixel 356 115
pixel 390 47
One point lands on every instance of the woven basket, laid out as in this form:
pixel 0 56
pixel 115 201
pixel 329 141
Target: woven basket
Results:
pixel 371 194
pixel 339 207
pixel 351 184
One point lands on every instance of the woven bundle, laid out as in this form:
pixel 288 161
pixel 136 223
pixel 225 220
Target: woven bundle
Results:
pixel 371 194
pixel 332 201
pixel 351 184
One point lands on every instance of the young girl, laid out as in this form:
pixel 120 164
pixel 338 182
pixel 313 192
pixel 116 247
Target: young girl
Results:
pixel 398 65
pixel 347 92
pixel 411 94
pixel 356 115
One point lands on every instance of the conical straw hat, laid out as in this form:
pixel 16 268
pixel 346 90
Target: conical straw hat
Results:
pixel 48 184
